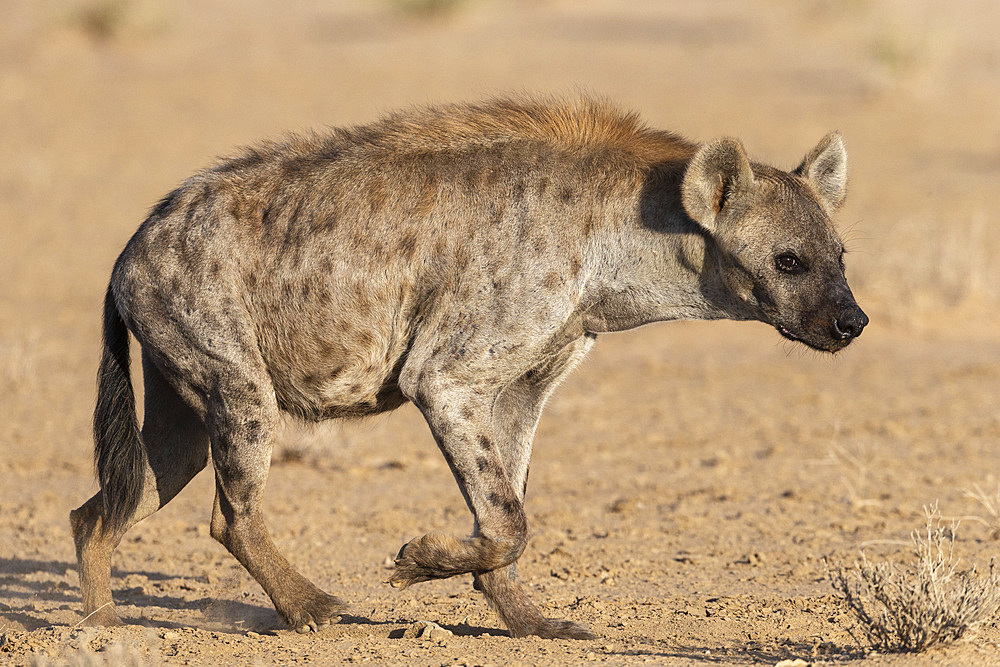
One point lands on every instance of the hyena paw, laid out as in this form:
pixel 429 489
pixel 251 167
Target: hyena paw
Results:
pixel 554 628
pixel 423 559
pixel 315 613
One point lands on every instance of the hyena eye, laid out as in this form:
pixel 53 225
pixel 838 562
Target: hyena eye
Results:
pixel 789 263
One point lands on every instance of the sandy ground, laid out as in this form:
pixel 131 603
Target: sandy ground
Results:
pixel 692 482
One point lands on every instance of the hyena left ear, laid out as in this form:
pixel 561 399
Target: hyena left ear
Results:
pixel 826 168
pixel 718 173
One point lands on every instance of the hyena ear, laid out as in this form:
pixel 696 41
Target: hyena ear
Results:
pixel 719 172
pixel 826 168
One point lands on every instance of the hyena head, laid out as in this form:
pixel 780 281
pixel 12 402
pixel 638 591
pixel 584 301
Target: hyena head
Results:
pixel 778 252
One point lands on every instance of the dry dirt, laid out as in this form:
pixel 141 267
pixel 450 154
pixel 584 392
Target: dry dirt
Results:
pixel 691 481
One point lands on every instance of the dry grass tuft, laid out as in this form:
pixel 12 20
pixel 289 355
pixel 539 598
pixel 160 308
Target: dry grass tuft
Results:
pixel 425 8
pixel 18 366
pixel 909 608
pixel 991 504
pixel 102 19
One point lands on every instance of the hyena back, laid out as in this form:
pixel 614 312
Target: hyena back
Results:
pixel 463 258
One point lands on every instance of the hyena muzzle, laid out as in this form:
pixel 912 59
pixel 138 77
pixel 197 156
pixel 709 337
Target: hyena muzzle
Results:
pixel 460 257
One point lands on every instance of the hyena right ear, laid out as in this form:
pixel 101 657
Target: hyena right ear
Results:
pixel 826 168
pixel 718 172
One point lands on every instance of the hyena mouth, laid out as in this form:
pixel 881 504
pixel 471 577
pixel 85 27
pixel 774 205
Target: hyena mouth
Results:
pixel 826 346
pixel 783 330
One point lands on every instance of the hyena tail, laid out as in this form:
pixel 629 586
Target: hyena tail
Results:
pixel 118 450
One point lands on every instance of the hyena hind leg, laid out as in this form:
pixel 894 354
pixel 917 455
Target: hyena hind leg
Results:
pixel 176 449
pixel 242 436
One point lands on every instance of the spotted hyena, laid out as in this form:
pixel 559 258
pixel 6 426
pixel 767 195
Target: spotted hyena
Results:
pixel 463 258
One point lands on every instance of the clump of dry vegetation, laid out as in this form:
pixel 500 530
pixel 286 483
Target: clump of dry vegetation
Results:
pixel 425 8
pixel 913 607
pixel 990 502
pixel 102 19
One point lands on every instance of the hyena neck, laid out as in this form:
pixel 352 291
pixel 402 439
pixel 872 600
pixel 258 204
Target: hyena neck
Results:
pixel 658 267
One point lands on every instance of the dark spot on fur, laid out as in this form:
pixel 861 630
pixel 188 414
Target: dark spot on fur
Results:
pixel 297 167
pixel 485 443
pixel 408 245
pixel 166 205
pixel 329 153
pixel 574 267
pixel 251 157
pixel 473 178
pixel 517 192
pixel 269 216
pixel 462 259
pixel 467 412
pixel 523 231
pixel 482 463
pixel 305 290
pixel 551 280
pixel 567 195
pixel 427 197
pixel 366 339
pixel 543 185
pixel 497 210
pixel 196 206
pixel 376 194
pixel 588 225
pixel 253 430
pixel 509 507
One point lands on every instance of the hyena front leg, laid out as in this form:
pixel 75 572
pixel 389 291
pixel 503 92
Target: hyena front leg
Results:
pixel 485 433
pixel 515 418
pixel 459 417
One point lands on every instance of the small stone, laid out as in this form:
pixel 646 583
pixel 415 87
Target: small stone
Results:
pixel 427 630
pixel 169 635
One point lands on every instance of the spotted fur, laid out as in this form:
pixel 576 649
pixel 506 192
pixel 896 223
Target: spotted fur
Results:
pixel 461 257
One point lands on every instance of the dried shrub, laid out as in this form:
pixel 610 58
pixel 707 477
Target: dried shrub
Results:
pixel 991 504
pixel 909 608
pixel 103 19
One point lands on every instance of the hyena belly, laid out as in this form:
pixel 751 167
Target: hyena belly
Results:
pixel 336 349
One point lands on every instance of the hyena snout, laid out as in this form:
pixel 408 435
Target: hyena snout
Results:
pixel 849 323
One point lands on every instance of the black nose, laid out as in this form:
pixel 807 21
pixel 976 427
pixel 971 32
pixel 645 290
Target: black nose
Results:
pixel 850 323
